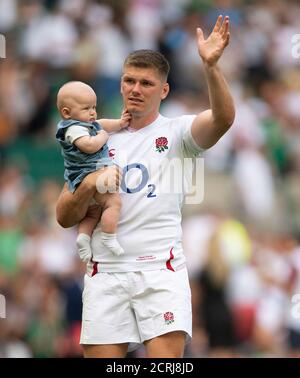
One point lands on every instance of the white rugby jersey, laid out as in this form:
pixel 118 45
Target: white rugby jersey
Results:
pixel 152 194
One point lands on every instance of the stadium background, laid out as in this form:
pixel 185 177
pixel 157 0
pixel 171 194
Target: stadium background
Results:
pixel 242 242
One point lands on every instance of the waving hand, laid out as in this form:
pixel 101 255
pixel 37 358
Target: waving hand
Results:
pixel 212 48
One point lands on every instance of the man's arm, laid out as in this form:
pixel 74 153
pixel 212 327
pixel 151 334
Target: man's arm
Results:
pixel 209 126
pixel 71 208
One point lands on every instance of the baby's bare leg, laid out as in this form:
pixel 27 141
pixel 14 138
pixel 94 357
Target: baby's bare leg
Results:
pixel 111 206
pixel 90 221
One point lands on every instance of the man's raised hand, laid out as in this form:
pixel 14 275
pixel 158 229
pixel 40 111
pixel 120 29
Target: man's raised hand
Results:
pixel 211 49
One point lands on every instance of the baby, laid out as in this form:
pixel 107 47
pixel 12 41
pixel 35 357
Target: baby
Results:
pixel 84 149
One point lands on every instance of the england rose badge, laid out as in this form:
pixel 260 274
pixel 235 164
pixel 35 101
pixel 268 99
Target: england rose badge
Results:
pixel 161 144
pixel 169 317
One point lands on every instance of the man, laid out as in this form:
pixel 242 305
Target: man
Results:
pixel 143 296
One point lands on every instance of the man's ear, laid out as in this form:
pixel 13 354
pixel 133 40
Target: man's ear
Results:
pixel 165 91
pixel 65 112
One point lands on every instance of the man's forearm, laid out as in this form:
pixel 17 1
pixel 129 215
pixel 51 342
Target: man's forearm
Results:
pixel 72 207
pixel 221 101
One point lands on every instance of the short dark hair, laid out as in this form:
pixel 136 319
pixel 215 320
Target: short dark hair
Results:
pixel 148 59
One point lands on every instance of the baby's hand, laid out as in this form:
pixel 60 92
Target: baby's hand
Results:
pixel 125 119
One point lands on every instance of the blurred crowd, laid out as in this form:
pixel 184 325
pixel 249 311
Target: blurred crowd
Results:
pixel 242 242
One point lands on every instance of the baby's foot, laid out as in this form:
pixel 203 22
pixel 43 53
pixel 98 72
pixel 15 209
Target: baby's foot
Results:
pixel 83 243
pixel 110 241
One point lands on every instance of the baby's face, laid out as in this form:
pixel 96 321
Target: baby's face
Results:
pixel 83 107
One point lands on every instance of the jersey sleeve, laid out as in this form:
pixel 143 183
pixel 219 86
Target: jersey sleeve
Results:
pixel 189 146
pixel 75 132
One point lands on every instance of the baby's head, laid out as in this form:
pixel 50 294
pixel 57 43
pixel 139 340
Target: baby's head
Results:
pixel 77 100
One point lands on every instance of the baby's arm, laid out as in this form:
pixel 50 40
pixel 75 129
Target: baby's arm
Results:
pixel 91 144
pixel 111 125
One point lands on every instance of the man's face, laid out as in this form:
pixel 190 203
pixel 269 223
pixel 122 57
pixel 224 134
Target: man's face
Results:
pixel 142 90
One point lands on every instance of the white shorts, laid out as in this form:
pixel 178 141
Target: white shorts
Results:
pixel 133 307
